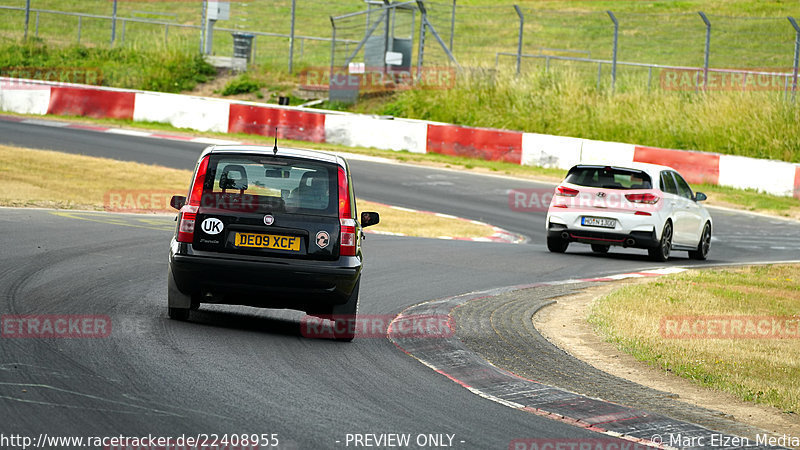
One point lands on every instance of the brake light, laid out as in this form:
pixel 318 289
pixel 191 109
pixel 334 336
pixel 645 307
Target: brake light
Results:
pixel 188 215
pixel 196 192
pixel 642 213
pixel 649 199
pixel 347 238
pixel 566 192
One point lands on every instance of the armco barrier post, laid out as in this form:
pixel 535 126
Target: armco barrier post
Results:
pixel 614 56
pixel 519 38
pixel 796 55
pixel 707 49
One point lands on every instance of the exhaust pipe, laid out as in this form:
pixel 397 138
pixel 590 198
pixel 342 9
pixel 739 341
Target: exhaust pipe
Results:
pixel 565 235
pixel 630 242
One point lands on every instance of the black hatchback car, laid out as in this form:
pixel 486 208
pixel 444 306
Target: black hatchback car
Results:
pixel 270 228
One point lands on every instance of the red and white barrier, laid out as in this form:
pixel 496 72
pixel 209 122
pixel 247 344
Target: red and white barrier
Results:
pixel 24 99
pixel 353 130
pixel 206 114
pixel 554 152
pixel 182 111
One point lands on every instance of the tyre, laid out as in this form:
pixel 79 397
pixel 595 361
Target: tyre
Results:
pixel 345 315
pixel 557 245
pixel 178 303
pixel 704 245
pixel 600 248
pixel 661 253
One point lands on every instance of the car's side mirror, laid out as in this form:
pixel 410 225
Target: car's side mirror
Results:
pixel 699 197
pixel 177 201
pixel 369 218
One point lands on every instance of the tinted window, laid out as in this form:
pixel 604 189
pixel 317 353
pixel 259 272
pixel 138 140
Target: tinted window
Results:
pixel 683 187
pixel 609 177
pixel 266 184
pixel 668 183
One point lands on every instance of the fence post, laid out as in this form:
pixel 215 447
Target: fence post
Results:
pixel 27 16
pixel 614 56
pixel 519 37
pixel 291 38
pixel 708 48
pixel 452 25
pixel 422 29
pixel 114 22
pixel 796 55
pixel 333 44
pixel 202 26
pixel 80 25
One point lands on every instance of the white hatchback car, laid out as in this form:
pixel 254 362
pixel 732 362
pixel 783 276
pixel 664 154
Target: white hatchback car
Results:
pixel 639 205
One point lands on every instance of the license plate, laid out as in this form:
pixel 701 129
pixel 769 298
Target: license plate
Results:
pixel 598 222
pixel 253 240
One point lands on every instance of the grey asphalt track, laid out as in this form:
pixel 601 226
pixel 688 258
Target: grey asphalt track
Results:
pixel 242 370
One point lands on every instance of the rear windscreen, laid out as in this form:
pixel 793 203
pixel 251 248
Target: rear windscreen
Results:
pixel 265 184
pixel 609 178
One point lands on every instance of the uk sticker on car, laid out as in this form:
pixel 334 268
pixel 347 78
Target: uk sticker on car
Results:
pixel 601 222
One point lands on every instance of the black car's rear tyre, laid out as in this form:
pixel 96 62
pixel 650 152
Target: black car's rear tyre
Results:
pixel 345 316
pixel 704 245
pixel 600 248
pixel 661 253
pixel 181 314
pixel 178 303
pixel 557 245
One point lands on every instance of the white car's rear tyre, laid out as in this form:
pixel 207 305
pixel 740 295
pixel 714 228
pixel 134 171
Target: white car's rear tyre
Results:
pixel 661 253
pixel 557 245
pixel 600 248
pixel 704 245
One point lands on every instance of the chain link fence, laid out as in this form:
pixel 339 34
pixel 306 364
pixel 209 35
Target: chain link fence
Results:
pixel 651 47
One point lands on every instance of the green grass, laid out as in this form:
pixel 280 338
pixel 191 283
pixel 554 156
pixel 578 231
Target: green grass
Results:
pixel 126 67
pixel 762 370
pixel 756 124
pixel 243 84
pixel 665 32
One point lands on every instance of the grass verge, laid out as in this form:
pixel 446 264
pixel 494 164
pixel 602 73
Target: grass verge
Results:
pixel 758 124
pixel 761 370
pixel 50 179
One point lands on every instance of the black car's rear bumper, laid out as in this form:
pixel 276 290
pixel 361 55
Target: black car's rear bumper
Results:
pixel 264 282
pixel 636 239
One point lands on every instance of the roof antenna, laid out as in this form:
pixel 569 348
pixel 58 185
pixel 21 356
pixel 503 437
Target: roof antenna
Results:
pixel 275 148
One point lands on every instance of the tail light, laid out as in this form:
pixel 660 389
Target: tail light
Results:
pixel 188 213
pixel 566 192
pixel 347 239
pixel 649 199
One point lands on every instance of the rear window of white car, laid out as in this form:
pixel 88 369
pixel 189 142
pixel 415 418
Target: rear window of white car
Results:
pixel 609 177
